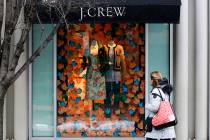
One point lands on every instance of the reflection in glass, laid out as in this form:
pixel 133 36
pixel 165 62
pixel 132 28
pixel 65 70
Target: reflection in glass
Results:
pixel 42 87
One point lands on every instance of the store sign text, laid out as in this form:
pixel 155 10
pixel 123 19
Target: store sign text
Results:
pixel 93 12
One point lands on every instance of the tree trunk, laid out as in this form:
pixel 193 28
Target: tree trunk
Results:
pixel 3 90
pixel 1 117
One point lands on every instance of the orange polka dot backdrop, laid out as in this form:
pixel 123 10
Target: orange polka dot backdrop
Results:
pixel 74 117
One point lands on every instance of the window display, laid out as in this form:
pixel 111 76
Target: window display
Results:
pixel 100 80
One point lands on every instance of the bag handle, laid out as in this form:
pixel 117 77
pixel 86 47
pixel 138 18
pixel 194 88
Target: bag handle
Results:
pixel 161 87
pixel 160 95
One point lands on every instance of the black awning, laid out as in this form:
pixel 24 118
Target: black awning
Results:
pixel 142 11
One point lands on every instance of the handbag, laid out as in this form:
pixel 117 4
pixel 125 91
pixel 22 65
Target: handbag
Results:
pixel 148 124
pixel 165 116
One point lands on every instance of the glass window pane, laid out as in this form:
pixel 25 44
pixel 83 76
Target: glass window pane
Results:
pixel 42 86
pixel 159 49
pixel 100 80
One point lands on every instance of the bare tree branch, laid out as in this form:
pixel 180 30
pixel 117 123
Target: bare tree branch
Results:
pixel 18 52
pixel 11 22
pixel 42 27
pixel 10 19
pixel 9 30
pixel 24 25
pixel 11 77
pixel 3 23
pixel 43 45
pixel 5 58
pixel 1 11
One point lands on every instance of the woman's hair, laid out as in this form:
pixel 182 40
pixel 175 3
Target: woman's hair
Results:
pixel 156 77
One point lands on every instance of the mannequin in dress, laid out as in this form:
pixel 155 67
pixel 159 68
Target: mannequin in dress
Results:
pixel 95 81
pixel 95 89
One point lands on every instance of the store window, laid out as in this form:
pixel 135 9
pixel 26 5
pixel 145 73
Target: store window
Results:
pixel 100 80
pixel 159 50
pixel 75 92
pixel 42 85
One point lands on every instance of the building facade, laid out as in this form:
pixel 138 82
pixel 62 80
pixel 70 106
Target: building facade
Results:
pixel 179 51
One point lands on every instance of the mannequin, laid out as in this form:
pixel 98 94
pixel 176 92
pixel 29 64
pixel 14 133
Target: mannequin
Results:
pixel 95 89
pixel 115 54
pixel 111 46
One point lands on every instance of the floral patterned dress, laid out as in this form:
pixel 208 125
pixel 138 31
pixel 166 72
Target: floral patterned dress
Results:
pixel 96 89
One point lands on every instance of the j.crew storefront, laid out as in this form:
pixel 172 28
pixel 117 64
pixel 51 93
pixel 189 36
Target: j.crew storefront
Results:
pixel 92 79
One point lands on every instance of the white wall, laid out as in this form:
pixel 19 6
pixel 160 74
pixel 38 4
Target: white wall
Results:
pixel 21 105
pixel 181 69
pixel 209 71
pixel 21 93
pixel 201 75
pixel 191 65
pixel 191 72
pixel 4 120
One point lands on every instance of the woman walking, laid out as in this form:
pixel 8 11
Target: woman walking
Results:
pixel 153 106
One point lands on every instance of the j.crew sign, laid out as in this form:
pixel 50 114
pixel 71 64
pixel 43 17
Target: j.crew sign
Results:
pixel 97 12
